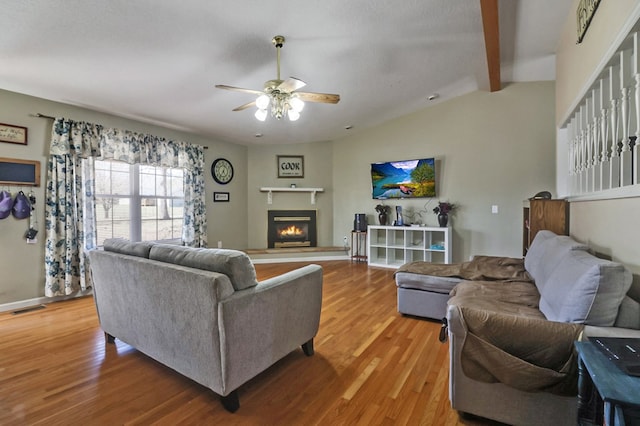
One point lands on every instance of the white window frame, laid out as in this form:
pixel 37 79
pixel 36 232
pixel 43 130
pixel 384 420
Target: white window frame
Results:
pixel 135 204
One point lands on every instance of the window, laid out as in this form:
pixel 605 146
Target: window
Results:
pixel 138 202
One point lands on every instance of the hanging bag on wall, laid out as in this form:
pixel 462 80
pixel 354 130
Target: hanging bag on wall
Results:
pixel 33 220
pixel 21 206
pixel 6 204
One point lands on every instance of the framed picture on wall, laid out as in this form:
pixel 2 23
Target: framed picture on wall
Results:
pixel 19 172
pixel 13 134
pixel 290 166
pixel 220 197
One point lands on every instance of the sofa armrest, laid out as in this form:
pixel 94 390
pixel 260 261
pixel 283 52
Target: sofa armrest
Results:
pixel 262 324
pixel 496 400
pixel 527 353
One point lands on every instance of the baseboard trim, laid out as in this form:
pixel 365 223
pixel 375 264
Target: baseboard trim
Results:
pixel 21 304
pixel 299 259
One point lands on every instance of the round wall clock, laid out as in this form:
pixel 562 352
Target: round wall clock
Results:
pixel 222 171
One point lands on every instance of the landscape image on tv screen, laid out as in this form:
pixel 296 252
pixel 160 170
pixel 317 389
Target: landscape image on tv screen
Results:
pixel 404 179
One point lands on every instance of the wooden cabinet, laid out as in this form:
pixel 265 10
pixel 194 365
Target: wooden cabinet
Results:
pixel 543 214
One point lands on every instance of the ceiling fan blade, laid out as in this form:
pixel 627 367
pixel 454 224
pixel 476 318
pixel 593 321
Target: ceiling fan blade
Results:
pixel 239 89
pixel 245 106
pixel 291 84
pixel 326 98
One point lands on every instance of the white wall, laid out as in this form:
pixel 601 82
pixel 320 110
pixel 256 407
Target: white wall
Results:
pixel 22 265
pixel 490 149
pixel 609 226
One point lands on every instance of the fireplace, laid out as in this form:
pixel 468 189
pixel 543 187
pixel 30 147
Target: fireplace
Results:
pixel 291 228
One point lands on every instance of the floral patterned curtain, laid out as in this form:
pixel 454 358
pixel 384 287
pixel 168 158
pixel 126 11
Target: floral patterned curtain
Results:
pixel 70 203
pixel 137 148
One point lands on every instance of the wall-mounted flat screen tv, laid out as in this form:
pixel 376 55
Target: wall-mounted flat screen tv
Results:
pixel 404 179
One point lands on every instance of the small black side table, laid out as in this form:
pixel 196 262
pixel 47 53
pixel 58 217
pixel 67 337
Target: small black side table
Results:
pixel 359 246
pixel 605 393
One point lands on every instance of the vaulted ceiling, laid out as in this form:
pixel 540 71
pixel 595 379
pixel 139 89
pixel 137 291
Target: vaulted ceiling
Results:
pixel 158 61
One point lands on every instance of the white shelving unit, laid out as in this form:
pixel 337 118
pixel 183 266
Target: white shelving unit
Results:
pixel 393 246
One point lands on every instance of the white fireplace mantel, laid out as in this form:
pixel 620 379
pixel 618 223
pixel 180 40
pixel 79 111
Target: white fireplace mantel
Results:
pixel 271 190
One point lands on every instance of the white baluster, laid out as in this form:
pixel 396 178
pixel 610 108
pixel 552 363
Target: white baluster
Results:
pixel 604 134
pixel 614 84
pixel 636 149
pixel 584 152
pixel 636 76
pixel 576 154
pixel 595 138
pixel 625 153
pixel 569 175
pixel 589 145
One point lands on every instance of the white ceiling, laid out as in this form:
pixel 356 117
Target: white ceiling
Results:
pixel 157 61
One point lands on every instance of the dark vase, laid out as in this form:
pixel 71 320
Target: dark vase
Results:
pixel 382 217
pixel 443 218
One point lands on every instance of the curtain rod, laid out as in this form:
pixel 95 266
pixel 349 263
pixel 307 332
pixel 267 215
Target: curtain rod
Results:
pixel 53 118
pixel 45 116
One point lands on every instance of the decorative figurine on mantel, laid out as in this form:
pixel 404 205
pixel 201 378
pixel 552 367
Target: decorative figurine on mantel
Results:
pixel 383 211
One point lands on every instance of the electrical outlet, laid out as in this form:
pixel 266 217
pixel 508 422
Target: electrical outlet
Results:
pixel 494 209
pixel 344 239
pixel 219 244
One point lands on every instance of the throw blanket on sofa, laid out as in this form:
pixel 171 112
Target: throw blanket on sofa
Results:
pixel 485 268
pixel 504 335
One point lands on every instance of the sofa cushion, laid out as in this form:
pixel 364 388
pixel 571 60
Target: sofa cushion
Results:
pixel 584 289
pixel 628 314
pixel 546 253
pixel 123 246
pixel 233 263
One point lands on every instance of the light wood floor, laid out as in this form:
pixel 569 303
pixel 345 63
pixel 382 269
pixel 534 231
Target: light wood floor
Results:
pixel 372 366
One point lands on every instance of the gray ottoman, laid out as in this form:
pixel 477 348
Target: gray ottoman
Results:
pixel 424 295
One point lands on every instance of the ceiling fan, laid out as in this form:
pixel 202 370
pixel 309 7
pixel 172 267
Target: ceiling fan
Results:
pixel 281 95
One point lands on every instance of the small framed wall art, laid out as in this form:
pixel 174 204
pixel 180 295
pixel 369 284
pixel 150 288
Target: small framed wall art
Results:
pixel 13 134
pixel 19 172
pixel 584 14
pixel 290 166
pixel 220 197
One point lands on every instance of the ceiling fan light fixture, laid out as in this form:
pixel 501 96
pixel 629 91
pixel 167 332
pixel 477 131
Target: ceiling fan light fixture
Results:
pixel 262 102
pixel 261 114
pixel 280 97
pixel 296 104
pixel 293 115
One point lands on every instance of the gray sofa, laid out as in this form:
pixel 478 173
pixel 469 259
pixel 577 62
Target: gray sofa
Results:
pixel 573 295
pixel 202 312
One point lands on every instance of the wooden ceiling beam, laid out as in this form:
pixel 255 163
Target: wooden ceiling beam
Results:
pixel 489 9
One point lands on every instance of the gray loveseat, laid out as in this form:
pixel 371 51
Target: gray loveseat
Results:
pixel 202 312
pixel 511 343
